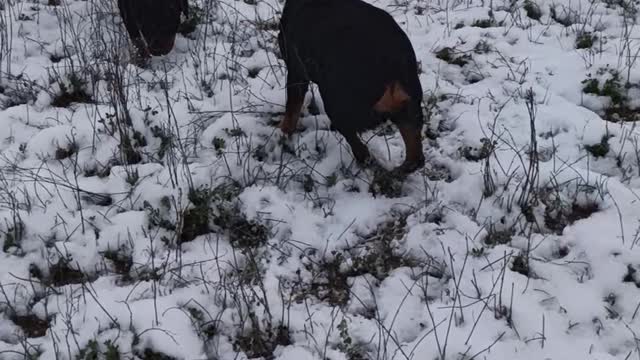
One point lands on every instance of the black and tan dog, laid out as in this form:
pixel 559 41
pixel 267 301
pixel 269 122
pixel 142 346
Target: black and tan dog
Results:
pixel 365 68
pixel 152 25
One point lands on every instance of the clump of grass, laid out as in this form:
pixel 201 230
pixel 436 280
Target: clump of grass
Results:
pixel 478 154
pixel 520 264
pixel 565 18
pixel 13 236
pixel 94 351
pixel 601 149
pixel 235 132
pixel 419 10
pixel 561 252
pixel 139 140
pixel 219 144
pixel 243 233
pixel 219 207
pixel 128 153
pixel 56 58
pixel 195 223
pixel 72 90
pixel 629 7
pixel 195 18
pixel 261 343
pixel 482 47
pixel 614 89
pixel 91 351
pixel 97 199
pixel 132 177
pixel 313 107
pixel 632 275
pixel 477 252
pixel 610 300
pixel 496 236
pixel 268 25
pixel 25 17
pixel 260 153
pixel 560 211
pixel 450 56
pixel 386 183
pixel 101 171
pixel 151 354
pixel 591 86
pixel 619 108
pixel 17 91
pixel 347 345
pixel 585 40
pixel 377 255
pixel 31 325
pixel 196 220
pixel 330 283
pixel 207 329
pixel 65 152
pixel 485 23
pixel 308 185
pixel 532 10
pixel 165 140
pixel 61 273
pixel 121 262
pixel 253 72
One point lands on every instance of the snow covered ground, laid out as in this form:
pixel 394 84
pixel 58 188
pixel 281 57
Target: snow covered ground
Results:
pixel 158 213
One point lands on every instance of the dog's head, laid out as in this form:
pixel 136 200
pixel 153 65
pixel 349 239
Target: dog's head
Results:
pixel 159 21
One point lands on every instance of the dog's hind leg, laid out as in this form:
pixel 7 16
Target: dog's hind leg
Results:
pixel 297 84
pixel 409 121
pixel 296 90
pixel 358 148
pixel 345 117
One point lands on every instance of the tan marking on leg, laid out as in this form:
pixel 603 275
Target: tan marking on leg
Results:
pixel 292 114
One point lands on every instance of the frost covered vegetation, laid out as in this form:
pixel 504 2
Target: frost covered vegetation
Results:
pixel 158 213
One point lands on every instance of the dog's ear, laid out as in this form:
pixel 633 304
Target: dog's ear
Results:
pixel 185 8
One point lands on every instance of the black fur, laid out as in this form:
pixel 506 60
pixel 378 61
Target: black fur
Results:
pixel 155 21
pixel 352 51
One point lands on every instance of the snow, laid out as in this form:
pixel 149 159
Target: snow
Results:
pixel 454 267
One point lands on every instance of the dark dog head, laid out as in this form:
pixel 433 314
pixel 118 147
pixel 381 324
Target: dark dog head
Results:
pixel 159 21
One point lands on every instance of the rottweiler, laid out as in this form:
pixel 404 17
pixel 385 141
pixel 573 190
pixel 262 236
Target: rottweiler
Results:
pixel 365 68
pixel 152 25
